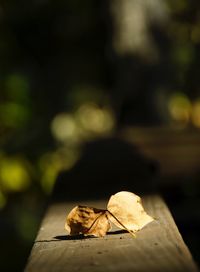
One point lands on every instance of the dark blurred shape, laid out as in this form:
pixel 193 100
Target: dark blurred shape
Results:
pixel 106 167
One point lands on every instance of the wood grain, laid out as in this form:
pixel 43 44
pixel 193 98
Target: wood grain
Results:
pixel 157 247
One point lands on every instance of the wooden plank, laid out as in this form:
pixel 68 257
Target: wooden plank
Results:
pixel 176 150
pixel 157 247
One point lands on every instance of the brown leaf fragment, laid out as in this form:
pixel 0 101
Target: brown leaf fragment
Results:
pixel 101 226
pixel 88 221
pixel 126 212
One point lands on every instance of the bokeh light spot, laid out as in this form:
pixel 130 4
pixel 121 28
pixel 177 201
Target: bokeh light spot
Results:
pixel 63 127
pixel 14 176
pixel 95 119
pixel 179 108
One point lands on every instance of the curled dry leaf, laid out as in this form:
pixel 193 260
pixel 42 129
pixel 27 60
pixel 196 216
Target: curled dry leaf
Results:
pixel 87 221
pixel 124 209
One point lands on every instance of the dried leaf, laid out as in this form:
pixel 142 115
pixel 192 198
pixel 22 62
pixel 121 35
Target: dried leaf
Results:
pixel 87 221
pixel 124 209
pixel 127 212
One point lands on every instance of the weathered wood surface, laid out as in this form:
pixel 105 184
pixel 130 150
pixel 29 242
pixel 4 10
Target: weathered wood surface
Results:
pixel 176 150
pixel 158 247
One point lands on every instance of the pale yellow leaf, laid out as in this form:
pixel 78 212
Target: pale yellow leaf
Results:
pixel 127 211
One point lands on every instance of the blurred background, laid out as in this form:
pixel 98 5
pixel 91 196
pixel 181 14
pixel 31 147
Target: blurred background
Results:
pixel 73 72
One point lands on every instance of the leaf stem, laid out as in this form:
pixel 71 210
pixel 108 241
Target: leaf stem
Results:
pixel 101 213
pixel 132 233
